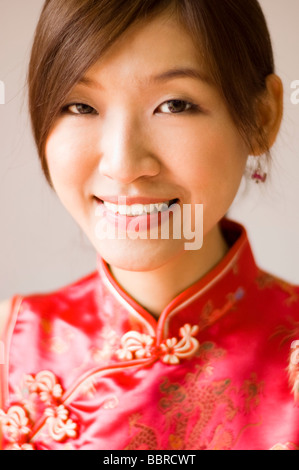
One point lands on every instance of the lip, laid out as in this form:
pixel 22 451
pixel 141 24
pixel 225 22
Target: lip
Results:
pixel 123 223
pixel 130 200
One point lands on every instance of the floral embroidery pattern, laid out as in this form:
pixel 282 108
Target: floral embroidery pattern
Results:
pixel 18 422
pixel 59 424
pixel 14 424
pixel 135 345
pixel 175 350
pixel 45 384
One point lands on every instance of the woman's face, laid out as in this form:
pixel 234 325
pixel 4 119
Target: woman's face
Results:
pixel 145 122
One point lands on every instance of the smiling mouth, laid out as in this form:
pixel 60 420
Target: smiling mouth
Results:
pixel 134 210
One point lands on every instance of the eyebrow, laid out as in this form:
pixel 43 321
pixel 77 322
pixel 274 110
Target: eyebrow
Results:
pixel 175 73
pixel 184 72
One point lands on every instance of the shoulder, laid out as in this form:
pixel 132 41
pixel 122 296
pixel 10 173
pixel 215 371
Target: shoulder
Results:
pixel 5 308
pixel 67 295
pixel 57 301
pixel 40 309
pixel 278 291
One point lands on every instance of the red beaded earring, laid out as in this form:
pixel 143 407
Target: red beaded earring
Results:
pixel 259 176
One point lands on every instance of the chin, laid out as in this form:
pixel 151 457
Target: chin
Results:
pixel 139 255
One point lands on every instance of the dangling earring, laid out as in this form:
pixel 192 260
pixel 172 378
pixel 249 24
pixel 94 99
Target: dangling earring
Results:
pixel 259 176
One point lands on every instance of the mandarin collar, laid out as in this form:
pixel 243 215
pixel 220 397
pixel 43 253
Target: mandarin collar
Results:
pixel 205 301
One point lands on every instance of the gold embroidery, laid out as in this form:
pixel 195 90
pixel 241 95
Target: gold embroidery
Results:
pixel 197 412
pixel 252 389
pixel 265 280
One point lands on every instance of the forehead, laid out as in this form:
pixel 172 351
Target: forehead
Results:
pixel 146 50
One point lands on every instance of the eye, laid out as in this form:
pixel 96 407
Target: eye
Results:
pixel 79 108
pixel 176 107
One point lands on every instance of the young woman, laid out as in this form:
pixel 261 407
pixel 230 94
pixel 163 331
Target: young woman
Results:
pixel 144 114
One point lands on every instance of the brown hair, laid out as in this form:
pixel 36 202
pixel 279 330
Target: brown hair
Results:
pixel 71 35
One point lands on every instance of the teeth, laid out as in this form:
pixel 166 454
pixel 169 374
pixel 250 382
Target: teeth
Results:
pixel 137 209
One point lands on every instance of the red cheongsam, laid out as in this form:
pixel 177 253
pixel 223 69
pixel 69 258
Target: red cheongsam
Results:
pixel 87 367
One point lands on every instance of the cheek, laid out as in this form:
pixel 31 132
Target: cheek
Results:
pixel 209 156
pixel 70 163
pixel 68 158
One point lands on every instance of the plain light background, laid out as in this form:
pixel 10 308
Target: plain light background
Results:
pixel 41 247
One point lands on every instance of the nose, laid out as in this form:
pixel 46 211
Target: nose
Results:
pixel 125 152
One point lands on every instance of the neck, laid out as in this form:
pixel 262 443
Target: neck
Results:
pixel 155 289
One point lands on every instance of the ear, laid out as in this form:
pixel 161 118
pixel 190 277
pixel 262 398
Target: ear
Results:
pixel 270 112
